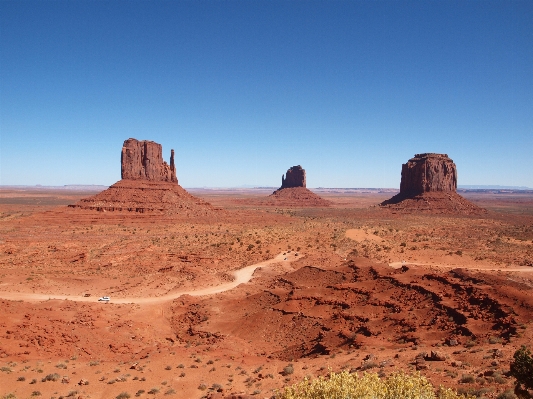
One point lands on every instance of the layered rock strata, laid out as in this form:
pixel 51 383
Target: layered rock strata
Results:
pixel 429 184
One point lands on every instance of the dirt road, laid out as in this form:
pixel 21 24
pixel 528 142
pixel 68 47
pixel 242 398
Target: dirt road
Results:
pixel 241 276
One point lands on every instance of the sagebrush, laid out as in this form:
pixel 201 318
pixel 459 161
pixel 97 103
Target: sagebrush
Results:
pixel 368 386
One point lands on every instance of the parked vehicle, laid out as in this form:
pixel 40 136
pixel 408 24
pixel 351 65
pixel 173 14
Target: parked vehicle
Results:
pixel 104 299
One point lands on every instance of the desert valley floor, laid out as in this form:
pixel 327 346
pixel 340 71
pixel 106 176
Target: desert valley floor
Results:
pixel 350 286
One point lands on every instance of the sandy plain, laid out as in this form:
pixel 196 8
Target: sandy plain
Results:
pixel 350 286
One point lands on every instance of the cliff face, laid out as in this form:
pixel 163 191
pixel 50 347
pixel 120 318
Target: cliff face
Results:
pixel 428 173
pixel 143 160
pixel 295 177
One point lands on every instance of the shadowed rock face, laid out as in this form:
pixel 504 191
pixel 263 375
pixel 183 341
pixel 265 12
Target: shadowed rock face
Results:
pixel 295 177
pixel 428 173
pixel 143 160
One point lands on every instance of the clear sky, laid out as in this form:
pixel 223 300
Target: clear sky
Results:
pixel 243 90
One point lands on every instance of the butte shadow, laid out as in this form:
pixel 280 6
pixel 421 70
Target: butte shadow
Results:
pixel 429 185
pixel 148 185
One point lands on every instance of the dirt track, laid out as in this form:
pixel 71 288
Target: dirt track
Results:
pixel 241 276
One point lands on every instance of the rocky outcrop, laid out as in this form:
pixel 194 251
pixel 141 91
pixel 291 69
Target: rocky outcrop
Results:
pixel 293 192
pixel 427 173
pixel 295 177
pixel 148 185
pixel 429 184
pixel 143 160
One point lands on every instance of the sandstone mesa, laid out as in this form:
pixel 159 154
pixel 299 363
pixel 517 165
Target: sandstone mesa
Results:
pixel 429 184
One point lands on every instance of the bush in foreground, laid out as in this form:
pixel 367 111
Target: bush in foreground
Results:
pixel 369 385
pixel 522 367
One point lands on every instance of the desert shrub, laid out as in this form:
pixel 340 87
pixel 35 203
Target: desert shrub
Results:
pixel 477 392
pixel 508 394
pixel 170 392
pixel 36 393
pixel 123 395
pixel 522 367
pixel 288 369
pixel 369 365
pixel 21 378
pixel 9 396
pixel 51 377
pixel 467 379
pixel 369 385
pixel 153 391
pixel 202 387
pixel 494 340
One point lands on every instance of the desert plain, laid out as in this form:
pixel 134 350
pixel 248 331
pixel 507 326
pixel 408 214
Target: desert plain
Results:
pixel 350 286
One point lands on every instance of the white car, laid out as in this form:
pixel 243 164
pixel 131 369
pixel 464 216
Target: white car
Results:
pixel 104 299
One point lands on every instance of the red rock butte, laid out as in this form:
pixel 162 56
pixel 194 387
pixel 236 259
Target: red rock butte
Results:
pixel 148 184
pixel 293 191
pixel 143 160
pixel 295 177
pixel 429 184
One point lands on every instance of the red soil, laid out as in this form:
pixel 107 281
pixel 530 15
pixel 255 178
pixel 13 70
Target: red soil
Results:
pixel 340 305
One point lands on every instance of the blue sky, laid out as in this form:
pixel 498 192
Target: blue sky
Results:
pixel 242 90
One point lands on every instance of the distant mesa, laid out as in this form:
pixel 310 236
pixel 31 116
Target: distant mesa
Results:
pixel 148 184
pixel 429 183
pixel 293 191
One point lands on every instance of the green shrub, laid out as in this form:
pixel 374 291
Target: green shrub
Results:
pixel 346 385
pixel 522 367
